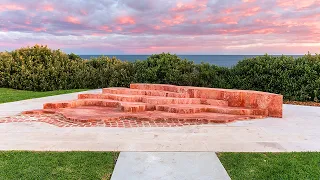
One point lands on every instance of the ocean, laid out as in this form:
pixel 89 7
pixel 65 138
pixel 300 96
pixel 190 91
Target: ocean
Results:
pixel 219 60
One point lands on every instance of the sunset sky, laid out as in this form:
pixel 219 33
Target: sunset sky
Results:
pixel 155 26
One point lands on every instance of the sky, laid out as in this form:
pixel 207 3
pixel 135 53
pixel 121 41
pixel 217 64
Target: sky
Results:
pixel 154 26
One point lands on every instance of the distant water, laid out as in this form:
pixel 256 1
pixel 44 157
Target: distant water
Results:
pixel 220 60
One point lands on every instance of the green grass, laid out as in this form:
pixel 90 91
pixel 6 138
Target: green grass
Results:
pixel 272 166
pixel 10 95
pixel 56 165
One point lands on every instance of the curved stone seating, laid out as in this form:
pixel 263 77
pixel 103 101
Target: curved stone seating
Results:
pixel 164 102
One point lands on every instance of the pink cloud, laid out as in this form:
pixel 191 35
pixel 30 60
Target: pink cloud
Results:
pixel 177 19
pixel 263 31
pixel 157 27
pixel 227 20
pixel 11 7
pixel 252 11
pixel 118 28
pixel 297 4
pixel 242 10
pixel 39 29
pixel 248 1
pixel 48 8
pixel 126 20
pixel 233 25
pixel 197 6
pixel 83 12
pixel 28 21
pixel 105 28
pixel 72 20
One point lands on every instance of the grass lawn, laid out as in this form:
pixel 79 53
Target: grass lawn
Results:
pixel 9 95
pixel 56 165
pixel 272 166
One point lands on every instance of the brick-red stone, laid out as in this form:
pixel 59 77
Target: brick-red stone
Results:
pixel 165 103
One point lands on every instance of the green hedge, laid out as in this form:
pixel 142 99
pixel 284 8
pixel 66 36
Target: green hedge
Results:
pixel 296 79
pixel 39 68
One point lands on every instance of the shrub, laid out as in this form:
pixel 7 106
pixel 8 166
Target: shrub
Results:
pixel 41 69
pixel 212 76
pixel 107 72
pixel 296 79
pixel 73 56
pixel 165 69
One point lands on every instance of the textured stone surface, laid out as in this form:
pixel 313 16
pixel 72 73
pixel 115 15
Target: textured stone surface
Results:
pixel 161 102
pixel 298 130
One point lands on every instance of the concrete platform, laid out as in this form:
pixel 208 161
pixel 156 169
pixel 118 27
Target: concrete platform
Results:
pixel 169 166
pixel 298 130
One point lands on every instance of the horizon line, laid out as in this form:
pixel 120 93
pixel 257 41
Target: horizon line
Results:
pixel 189 54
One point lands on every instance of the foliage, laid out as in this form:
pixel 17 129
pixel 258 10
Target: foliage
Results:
pixel 73 56
pixel 296 79
pixel 39 68
pixel 165 69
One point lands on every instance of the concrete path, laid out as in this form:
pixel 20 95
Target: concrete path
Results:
pixel 13 108
pixel 299 130
pixel 169 166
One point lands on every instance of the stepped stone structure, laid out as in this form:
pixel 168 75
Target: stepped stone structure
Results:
pixel 162 102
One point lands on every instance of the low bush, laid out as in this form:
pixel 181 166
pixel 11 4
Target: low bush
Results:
pixel 39 68
pixel 296 79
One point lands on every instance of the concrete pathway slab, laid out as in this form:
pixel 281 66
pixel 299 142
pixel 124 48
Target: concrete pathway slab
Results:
pixel 169 166
pixel 298 130
pixel 13 108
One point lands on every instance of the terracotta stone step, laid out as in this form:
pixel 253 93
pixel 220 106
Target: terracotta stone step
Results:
pixel 132 107
pixel 189 109
pixel 153 100
pixel 123 106
pixel 235 98
pixel 93 113
pixel 214 102
pixel 116 97
pixel 170 100
pixel 129 91
pixel 160 87
pixel 81 102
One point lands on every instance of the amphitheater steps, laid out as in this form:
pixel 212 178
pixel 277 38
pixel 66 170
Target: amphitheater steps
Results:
pixel 142 92
pixel 187 109
pixel 157 102
pixel 94 113
pixel 123 106
pixel 116 97
pixel 153 100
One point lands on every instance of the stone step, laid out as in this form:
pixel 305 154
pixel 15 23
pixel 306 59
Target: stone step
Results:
pixel 133 107
pixel 81 102
pixel 116 97
pixel 170 100
pixel 214 102
pixel 123 106
pixel 92 113
pixel 129 91
pixel 154 100
pixel 160 87
pixel 187 109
